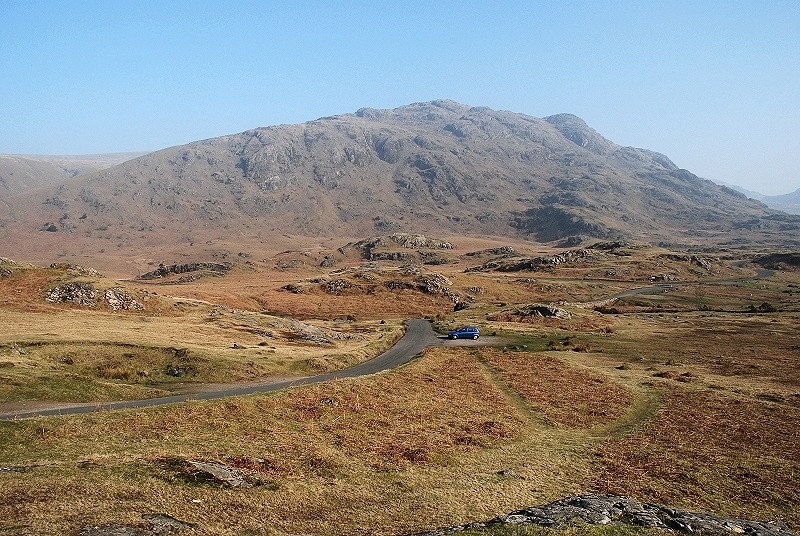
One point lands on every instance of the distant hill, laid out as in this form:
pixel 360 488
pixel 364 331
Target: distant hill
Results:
pixel 438 168
pixel 749 193
pixel 18 174
pixel 785 202
pixel 22 172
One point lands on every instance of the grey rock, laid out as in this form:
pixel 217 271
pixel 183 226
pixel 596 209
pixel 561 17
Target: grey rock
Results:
pixel 164 524
pixel 544 310
pixel 76 292
pixel 389 256
pixel 120 299
pixel 337 286
pixel 403 240
pixel 548 262
pixel 224 474
pixel 502 250
pixel 160 525
pixel 207 267
pixel 601 509
pixel 294 289
pixel 114 530
pixel 16 468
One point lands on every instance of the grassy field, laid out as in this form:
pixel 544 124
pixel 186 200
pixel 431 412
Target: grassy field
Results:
pixel 689 397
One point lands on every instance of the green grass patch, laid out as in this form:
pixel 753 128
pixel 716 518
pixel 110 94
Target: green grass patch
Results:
pixel 531 342
pixel 72 388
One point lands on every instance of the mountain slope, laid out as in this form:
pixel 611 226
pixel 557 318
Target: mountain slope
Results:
pixel 787 202
pixel 436 168
pixel 18 174
pixel 22 172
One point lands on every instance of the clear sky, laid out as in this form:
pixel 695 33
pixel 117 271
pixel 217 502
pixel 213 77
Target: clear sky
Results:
pixel 714 85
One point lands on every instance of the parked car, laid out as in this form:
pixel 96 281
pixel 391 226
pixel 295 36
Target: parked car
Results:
pixel 464 332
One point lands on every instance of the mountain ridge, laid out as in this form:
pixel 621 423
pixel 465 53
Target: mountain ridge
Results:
pixel 789 202
pixel 439 168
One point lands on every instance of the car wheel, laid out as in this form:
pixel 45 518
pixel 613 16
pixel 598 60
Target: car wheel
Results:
pixel 475 337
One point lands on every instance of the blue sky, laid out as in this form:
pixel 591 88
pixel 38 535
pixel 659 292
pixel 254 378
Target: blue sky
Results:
pixel 713 85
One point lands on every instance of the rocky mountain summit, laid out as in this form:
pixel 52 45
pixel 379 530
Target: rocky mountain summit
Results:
pixel 438 168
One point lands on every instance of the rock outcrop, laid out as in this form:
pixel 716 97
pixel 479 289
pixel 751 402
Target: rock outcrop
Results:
pixel 380 248
pixel 779 261
pixel 601 509
pixel 120 299
pixel 84 293
pixel 535 264
pixel 532 311
pixel 165 271
pixel 76 292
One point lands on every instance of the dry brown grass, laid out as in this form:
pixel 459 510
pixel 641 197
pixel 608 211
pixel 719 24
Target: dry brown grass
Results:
pixel 60 351
pixel 711 452
pixel 748 354
pixel 425 445
pixel 385 420
pixel 24 289
pixel 564 394
pixel 327 449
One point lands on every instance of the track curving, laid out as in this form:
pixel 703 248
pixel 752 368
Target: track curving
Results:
pixel 418 336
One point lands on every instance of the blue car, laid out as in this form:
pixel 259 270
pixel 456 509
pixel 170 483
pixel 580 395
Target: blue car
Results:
pixel 464 332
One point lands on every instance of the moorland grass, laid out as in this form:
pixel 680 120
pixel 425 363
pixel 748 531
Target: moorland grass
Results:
pixel 710 451
pixel 698 412
pixel 59 355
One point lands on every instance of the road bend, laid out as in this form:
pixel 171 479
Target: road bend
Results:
pixel 418 336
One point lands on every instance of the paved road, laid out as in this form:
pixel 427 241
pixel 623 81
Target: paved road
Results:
pixel 418 336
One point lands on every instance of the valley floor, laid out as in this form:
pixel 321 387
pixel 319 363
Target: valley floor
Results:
pixel 687 396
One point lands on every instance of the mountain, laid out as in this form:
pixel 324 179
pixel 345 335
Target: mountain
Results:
pixel 22 172
pixel 18 174
pixel 749 193
pixel 785 202
pixel 439 168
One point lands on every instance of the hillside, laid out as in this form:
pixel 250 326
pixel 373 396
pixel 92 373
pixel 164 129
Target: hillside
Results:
pixel 18 174
pixel 22 172
pixel 439 168
pixel 622 369
pixel 787 202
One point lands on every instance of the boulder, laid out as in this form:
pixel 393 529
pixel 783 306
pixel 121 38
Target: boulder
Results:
pixel 224 474
pixel 119 299
pixel 160 525
pixel 544 310
pixel 76 292
pixel 603 509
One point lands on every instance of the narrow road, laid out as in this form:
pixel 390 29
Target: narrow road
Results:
pixel 418 336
